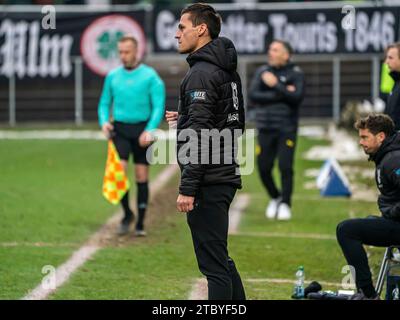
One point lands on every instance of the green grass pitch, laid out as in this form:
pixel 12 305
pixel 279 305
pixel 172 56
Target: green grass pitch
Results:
pixel 51 202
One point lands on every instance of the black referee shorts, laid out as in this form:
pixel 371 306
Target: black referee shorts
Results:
pixel 126 141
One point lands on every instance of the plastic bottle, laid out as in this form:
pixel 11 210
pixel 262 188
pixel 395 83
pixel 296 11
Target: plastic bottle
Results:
pixel 396 254
pixel 299 286
pixel 396 293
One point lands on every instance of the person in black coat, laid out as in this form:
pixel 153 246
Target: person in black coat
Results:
pixel 382 143
pixel 276 91
pixel 211 105
pixel 393 102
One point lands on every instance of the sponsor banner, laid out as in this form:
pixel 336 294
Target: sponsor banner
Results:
pixel 309 31
pixel 31 47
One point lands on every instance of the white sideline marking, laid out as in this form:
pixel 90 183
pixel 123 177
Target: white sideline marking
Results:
pixel 52 134
pixel 37 244
pixel 239 205
pixel 85 252
pixel 317 132
pixel 63 272
pixel 311 131
pixel 71 134
pixel 289 281
pixel 199 290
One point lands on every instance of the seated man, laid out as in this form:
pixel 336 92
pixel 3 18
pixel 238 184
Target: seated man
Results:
pixel 382 143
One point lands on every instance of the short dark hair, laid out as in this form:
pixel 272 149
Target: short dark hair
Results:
pixel 204 13
pixel 395 45
pixel 375 123
pixel 286 45
pixel 128 37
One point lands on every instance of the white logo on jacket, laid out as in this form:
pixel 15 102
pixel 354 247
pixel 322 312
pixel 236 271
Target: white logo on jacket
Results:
pixel 378 178
pixel 233 117
pixel 235 96
pixel 198 95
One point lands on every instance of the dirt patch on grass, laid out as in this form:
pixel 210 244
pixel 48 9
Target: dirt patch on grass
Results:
pixel 161 207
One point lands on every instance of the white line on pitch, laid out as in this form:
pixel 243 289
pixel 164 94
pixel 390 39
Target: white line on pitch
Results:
pixel 313 236
pixel 38 244
pixel 288 281
pixel 199 290
pixel 85 252
pixel 239 205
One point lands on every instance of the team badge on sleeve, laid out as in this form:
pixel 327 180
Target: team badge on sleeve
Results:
pixel 198 96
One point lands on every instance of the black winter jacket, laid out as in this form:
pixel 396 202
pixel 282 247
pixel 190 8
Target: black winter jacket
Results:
pixel 277 108
pixel 210 98
pixel 387 175
pixel 393 103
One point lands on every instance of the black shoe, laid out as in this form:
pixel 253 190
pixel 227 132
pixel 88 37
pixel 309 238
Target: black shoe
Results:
pixel 125 223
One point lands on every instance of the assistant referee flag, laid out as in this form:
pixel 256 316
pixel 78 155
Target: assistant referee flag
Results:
pixel 115 182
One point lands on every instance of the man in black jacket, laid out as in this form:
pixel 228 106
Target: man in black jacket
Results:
pixel 382 144
pixel 393 102
pixel 210 106
pixel 276 91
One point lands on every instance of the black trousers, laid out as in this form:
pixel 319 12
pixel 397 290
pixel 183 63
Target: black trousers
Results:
pixel 375 231
pixel 273 144
pixel 208 223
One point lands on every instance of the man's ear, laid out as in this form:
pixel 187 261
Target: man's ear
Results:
pixel 202 30
pixel 381 136
pixel 287 56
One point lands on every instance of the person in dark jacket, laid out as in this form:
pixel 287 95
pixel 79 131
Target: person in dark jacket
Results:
pixel 393 101
pixel 211 106
pixel 382 143
pixel 276 91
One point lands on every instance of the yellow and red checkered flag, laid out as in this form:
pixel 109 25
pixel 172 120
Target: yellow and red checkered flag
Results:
pixel 115 182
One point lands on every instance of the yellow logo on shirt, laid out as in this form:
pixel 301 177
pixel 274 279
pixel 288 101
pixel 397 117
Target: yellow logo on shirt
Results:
pixel 258 149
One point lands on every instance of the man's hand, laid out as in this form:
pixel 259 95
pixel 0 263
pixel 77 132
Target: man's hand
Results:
pixel 146 139
pixel 107 128
pixel 185 203
pixel 269 79
pixel 291 88
pixel 171 117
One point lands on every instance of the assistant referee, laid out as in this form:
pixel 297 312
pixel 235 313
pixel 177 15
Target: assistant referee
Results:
pixel 136 95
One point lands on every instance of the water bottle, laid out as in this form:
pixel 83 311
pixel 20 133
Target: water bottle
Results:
pixel 396 293
pixel 299 286
pixel 396 254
